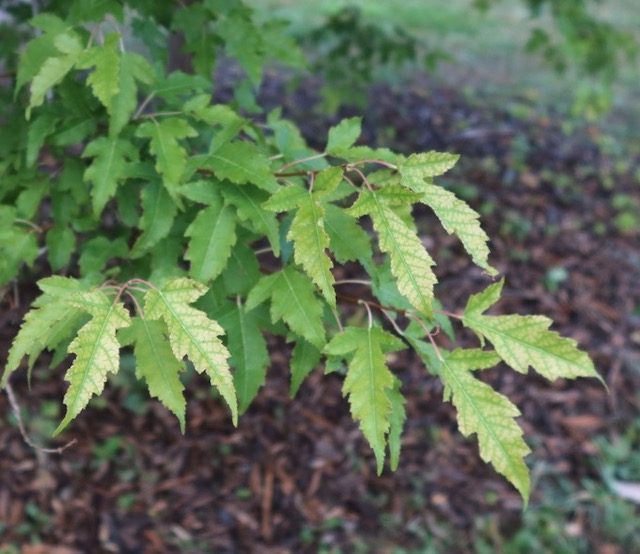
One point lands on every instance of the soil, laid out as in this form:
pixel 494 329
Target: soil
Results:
pixel 297 473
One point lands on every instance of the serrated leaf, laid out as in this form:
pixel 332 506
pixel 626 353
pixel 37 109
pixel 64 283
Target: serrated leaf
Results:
pixel 158 213
pixel 98 251
pixel 458 218
pixel 61 242
pixel 107 169
pixel 212 234
pixel 243 270
pixel 55 68
pixel 97 351
pixel 418 167
pixel 304 359
pixel 524 341
pixel 490 415
pixel 286 198
pixel 52 319
pixel 311 242
pixel 248 201
pixel 105 60
pixel 410 262
pixel 347 240
pixel 132 68
pixel 241 163
pixel 156 363
pixel 193 334
pixel 344 135
pixel 292 300
pixel 368 382
pixel 396 422
pixel 249 354
pixel 171 157
pixel 41 127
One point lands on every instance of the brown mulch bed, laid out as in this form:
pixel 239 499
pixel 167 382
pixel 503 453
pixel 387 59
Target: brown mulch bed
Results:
pixel 297 473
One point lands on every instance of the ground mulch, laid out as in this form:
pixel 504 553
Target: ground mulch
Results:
pixel 297 473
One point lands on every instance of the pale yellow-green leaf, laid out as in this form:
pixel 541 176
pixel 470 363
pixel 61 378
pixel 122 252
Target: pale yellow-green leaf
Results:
pixel 410 262
pixel 193 334
pixel 311 242
pixel 96 348
pixel 490 415
pixel 418 167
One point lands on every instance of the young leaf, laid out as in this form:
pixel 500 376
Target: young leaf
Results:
pixel 483 411
pixel 96 348
pixel 213 234
pixel 107 169
pixel 292 300
pixel 156 363
pixel 523 341
pixel 193 334
pixel 343 135
pixel 311 242
pixel 171 157
pixel 61 242
pixel 249 355
pixel 369 383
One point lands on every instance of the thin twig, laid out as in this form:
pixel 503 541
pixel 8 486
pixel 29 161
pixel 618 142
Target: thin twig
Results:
pixel 15 407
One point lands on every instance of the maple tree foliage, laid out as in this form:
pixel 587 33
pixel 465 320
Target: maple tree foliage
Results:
pixel 189 230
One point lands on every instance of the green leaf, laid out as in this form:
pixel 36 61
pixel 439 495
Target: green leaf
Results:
pixel 241 163
pixel 132 68
pixel 54 69
pixel 249 355
pixel 410 262
pixel 52 319
pixel 523 341
pixel 158 213
pixel 105 59
pixel 396 422
pixel 490 415
pixel 343 135
pixel 98 251
pixel 193 334
pixel 304 360
pixel 248 201
pixel 97 351
pixel 61 242
pixel 286 198
pixel 369 382
pixel 242 271
pixel 171 157
pixel 107 169
pixel 418 167
pixel 292 300
pixel 156 363
pixel 18 244
pixel 311 242
pixel 347 240
pixel 213 234
pixel 41 127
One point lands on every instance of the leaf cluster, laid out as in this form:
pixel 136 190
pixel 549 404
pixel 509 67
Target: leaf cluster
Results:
pixel 186 231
